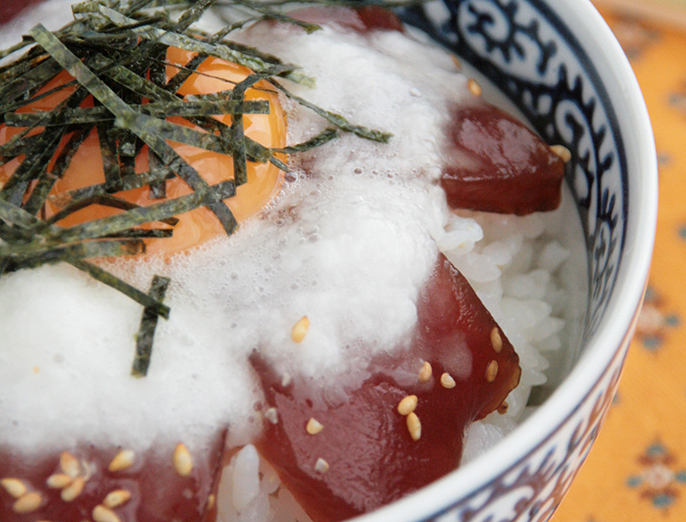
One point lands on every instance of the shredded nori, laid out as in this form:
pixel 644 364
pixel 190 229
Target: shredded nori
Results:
pixel 146 332
pixel 116 53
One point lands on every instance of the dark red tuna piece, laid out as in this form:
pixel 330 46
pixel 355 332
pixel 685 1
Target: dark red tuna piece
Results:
pixel 360 19
pixel 497 164
pixel 76 484
pixel 365 455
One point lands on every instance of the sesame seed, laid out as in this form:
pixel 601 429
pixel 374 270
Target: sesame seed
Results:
pixel 28 503
pixel 447 381
pixel 15 487
pixel 70 464
pixel 496 340
pixel 407 405
pixel 122 460
pixel 116 498
pixel 300 329
pixel 562 152
pixel 59 481
pixel 104 514
pixel 425 372
pixel 414 426
pixel 456 61
pixel 211 499
pixel 272 415
pixel 321 466
pixel 314 426
pixel 72 491
pixel 474 87
pixel 502 409
pixel 183 462
pixel 492 371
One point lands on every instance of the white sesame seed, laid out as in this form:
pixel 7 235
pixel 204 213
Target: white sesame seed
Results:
pixel 492 371
pixel 72 491
pixel 122 460
pixel 407 405
pixel 321 466
pixel 183 462
pixel 104 514
pixel 496 340
pixel 447 381
pixel 70 464
pixel 15 487
pixel 456 61
pixel 28 503
pixel 314 426
pixel 116 498
pixel 286 379
pixel 211 499
pixel 562 152
pixel 474 87
pixel 425 372
pixel 272 415
pixel 414 426
pixel 300 329
pixel 59 481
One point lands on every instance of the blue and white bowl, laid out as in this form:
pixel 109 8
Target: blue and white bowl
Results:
pixel 558 62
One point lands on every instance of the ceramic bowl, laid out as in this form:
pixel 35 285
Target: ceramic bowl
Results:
pixel 558 62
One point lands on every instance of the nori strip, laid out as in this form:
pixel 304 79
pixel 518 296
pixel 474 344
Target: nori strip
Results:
pixel 127 183
pixel 153 233
pixel 338 120
pixel 104 200
pixel 158 189
pixel 126 220
pixel 31 81
pixel 108 152
pixel 90 249
pixel 190 44
pixel 146 332
pixel 105 277
pixel 45 183
pixel 80 116
pixel 177 80
pixel 18 145
pixel 320 139
pixel 34 164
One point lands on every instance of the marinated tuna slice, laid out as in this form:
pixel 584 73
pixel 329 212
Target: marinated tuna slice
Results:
pixel 113 484
pixel 403 427
pixel 498 164
pixel 361 19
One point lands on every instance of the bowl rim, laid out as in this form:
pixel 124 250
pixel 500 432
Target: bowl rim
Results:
pixel 616 326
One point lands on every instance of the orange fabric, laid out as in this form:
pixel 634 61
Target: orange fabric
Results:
pixel 637 468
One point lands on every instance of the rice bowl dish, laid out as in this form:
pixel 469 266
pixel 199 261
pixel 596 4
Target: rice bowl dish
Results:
pixel 363 219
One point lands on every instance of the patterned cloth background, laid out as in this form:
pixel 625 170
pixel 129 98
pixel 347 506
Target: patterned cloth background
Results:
pixel 637 468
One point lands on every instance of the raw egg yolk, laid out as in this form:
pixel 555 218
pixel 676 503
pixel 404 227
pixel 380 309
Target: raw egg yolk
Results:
pixel 200 225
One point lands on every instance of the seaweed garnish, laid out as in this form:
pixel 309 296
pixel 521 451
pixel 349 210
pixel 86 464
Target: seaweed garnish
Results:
pixel 146 332
pixel 115 52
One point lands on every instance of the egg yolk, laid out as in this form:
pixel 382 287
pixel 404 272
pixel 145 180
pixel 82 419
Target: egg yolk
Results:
pixel 197 226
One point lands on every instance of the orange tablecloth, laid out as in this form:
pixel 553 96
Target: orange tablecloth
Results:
pixel 637 468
